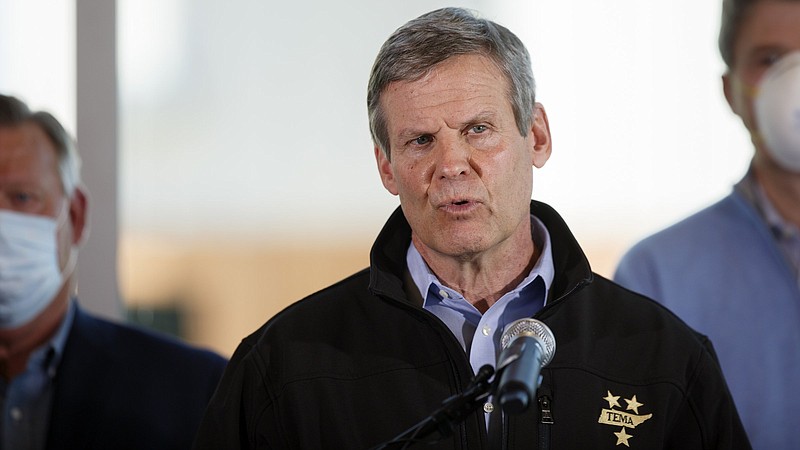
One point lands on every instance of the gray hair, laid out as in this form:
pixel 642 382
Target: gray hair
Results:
pixel 14 112
pixel 417 47
pixel 734 12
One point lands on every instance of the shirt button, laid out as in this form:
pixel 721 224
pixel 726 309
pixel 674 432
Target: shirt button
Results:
pixel 443 293
pixel 16 414
pixel 486 330
pixel 488 407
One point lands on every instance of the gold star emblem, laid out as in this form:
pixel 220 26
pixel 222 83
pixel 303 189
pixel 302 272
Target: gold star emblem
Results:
pixel 613 400
pixel 633 405
pixel 622 437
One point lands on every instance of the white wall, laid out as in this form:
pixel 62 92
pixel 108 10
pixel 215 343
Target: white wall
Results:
pixel 37 55
pixel 256 111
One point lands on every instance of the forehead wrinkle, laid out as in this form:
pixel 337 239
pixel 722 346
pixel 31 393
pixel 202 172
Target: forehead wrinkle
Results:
pixel 453 105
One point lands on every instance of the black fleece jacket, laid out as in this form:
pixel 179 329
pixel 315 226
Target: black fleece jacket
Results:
pixel 357 363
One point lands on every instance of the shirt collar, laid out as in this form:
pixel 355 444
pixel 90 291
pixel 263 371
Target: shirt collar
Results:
pixel 49 355
pixel 752 191
pixel 544 267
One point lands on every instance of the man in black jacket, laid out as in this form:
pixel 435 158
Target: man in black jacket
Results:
pixel 456 130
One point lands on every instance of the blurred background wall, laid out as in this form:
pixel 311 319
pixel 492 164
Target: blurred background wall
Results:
pixel 242 176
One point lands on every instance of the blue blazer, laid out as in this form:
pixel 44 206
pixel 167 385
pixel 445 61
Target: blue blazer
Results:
pixel 119 387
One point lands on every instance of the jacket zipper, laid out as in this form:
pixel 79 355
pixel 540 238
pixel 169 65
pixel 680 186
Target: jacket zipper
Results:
pixel 545 421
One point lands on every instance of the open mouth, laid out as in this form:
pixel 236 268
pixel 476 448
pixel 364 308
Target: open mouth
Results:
pixel 459 206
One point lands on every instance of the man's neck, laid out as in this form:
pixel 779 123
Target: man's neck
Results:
pixel 482 279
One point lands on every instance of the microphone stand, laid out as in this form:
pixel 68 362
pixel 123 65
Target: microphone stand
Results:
pixel 452 412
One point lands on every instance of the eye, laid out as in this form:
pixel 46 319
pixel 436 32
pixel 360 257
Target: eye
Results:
pixel 766 56
pixel 422 140
pixel 478 129
pixel 769 59
pixel 21 198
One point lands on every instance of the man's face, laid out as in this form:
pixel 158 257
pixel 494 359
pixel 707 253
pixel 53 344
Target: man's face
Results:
pixel 770 30
pixel 30 182
pixel 458 163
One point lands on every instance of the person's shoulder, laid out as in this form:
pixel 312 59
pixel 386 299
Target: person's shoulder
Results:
pixel 330 305
pixel 302 334
pixel 634 308
pixel 356 284
pixel 712 222
pixel 107 337
pixel 609 318
pixel 676 243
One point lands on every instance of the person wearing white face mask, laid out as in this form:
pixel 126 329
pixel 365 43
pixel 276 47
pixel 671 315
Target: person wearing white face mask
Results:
pixel 69 379
pixel 30 272
pixel 777 110
pixel 732 270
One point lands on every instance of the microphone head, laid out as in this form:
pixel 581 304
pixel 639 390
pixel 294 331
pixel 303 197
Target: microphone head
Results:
pixel 535 329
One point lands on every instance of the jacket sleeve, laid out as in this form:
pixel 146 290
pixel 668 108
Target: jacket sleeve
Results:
pixel 708 413
pixel 233 419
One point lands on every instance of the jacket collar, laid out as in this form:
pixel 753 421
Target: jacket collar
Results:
pixel 388 255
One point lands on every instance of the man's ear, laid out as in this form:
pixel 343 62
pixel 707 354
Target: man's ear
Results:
pixel 541 145
pixel 78 216
pixel 385 170
pixel 727 89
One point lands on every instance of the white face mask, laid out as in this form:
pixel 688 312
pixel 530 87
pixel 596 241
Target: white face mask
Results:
pixel 30 275
pixel 777 111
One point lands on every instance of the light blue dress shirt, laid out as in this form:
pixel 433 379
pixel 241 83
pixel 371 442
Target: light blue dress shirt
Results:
pixel 479 334
pixel 26 400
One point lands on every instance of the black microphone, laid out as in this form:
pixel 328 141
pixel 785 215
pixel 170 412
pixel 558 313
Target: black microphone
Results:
pixel 528 345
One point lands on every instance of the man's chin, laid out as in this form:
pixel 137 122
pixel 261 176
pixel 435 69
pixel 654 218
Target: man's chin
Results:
pixel 464 246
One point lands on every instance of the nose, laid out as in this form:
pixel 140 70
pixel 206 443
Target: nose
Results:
pixel 453 159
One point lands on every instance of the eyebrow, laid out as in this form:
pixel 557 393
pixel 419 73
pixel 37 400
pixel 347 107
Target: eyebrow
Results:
pixel 765 48
pixel 486 115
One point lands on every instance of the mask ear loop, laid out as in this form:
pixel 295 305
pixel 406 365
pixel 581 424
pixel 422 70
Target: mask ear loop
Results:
pixel 72 259
pixel 750 92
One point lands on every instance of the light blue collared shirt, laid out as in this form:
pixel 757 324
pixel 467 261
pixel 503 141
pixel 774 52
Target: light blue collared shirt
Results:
pixel 786 234
pixel 479 334
pixel 26 401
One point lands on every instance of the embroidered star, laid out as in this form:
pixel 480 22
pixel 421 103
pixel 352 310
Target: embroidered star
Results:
pixel 633 405
pixel 613 400
pixel 622 437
